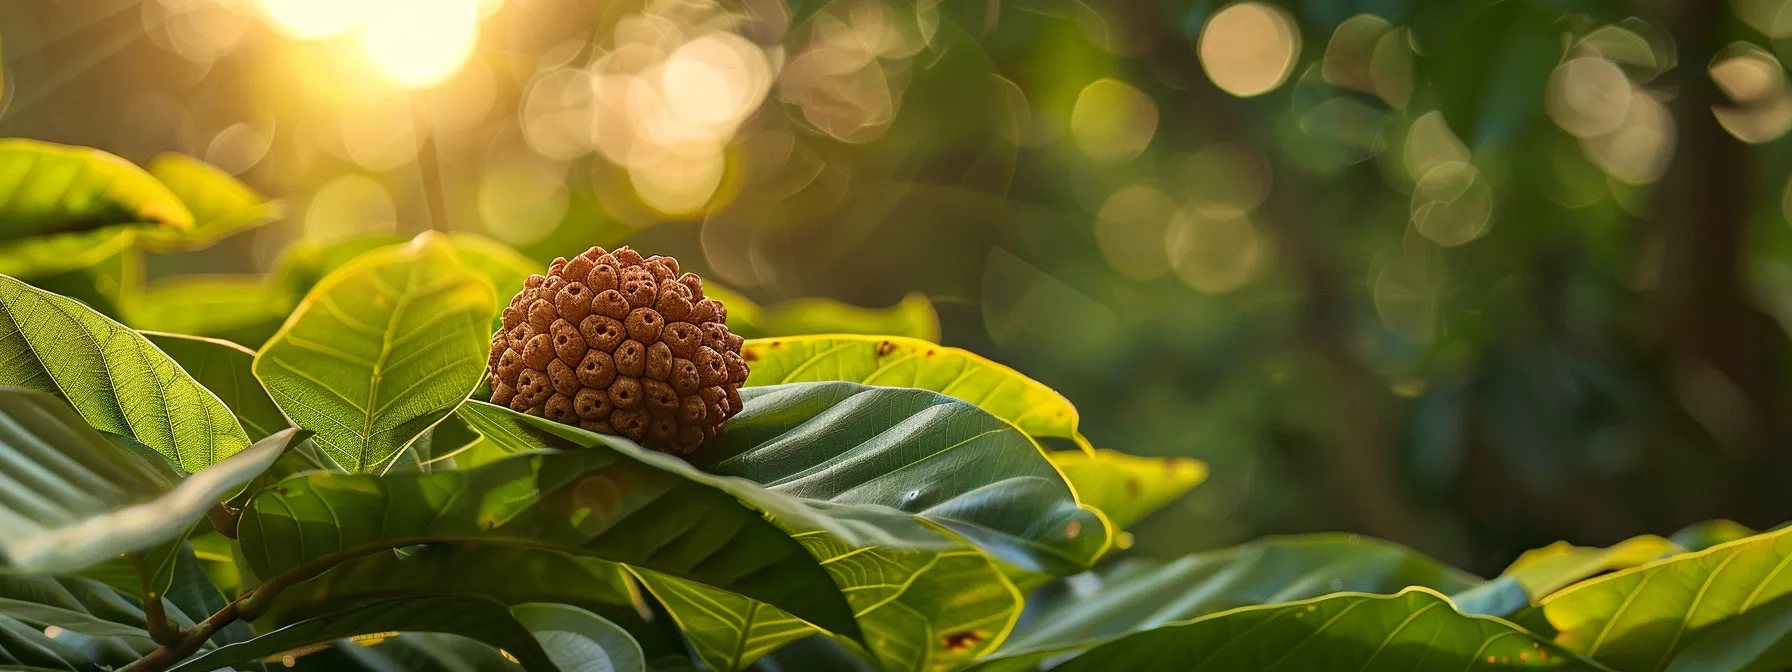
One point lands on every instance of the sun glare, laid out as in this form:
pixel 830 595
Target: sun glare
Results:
pixel 416 43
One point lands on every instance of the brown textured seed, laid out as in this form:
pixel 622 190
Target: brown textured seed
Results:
pixel 569 344
pixel 626 392
pixel 596 369
pixel 631 358
pixel 618 344
pixel 573 302
pixel 538 351
pixel 559 409
pixel 562 377
pixel 610 303
pixel 602 332
pixel 684 338
pixel 659 361
pixel 592 404
pixel 644 325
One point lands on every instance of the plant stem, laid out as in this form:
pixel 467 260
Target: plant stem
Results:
pixel 429 163
pixel 190 641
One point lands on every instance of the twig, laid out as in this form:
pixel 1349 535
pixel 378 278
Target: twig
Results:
pixel 190 641
pixel 429 163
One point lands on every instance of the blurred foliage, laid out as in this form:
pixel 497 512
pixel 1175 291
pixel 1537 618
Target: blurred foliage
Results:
pixel 1470 276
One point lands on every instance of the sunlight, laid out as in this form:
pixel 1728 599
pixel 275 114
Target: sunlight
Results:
pixel 416 43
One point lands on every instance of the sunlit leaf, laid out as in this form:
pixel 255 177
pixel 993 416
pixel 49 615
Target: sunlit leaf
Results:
pixel 220 204
pixel 224 368
pixel 305 263
pixel 1136 595
pixel 48 188
pixel 1546 570
pixel 913 317
pixel 380 350
pixel 907 362
pixel 1701 536
pixel 206 305
pixel 596 502
pixel 1416 629
pixel 71 498
pixel 1127 487
pixel 545 638
pixel 1640 618
pixel 53 253
pixel 115 378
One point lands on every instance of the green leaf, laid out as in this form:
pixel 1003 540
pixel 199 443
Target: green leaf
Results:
pixel 1758 640
pixel 1639 618
pixel 220 204
pixel 509 575
pixel 906 362
pixel 48 188
pixel 404 652
pixel 913 317
pixel 1416 629
pixel 53 253
pixel 66 623
pixel 1137 595
pixel 113 376
pixel 1542 571
pixel 224 368
pixel 380 350
pixel 544 637
pixel 307 262
pixel 909 582
pixel 1126 488
pixel 935 457
pixel 70 498
pixel 938 459
pixel 206 305
pixel 598 502
pixel 105 626
pixel 1700 536
pixel 945 609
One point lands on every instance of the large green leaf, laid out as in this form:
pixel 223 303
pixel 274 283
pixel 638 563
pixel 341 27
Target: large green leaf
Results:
pixel 220 204
pixel 913 317
pixel 540 637
pixel 206 305
pixel 1137 595
pixel 224 368
pixel 47 188
pixel 114 377
pixel 380 350
pixel 1416 630
pixel 1639 618
pixel 862 475
pixel 907 362
pixel 1126 488
pixel 71 498
pixel 598 502
pixel 831 455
